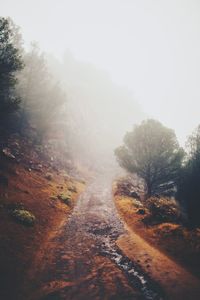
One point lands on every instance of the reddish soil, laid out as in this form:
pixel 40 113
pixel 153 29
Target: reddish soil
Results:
pixel 150 250
pixel 176 282
pixel 81 250
pixel 20 243
pixel 75 266
pixel 175 240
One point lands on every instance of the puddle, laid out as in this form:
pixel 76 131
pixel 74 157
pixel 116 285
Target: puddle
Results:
pixel 105 237
pixel 148 288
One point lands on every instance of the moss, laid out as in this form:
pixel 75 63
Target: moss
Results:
pixel 24 217
pixel 66 198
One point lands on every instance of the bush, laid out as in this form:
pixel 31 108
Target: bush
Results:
pixel 163 210
pixel 66 198
pixel 24 217
pixel 188 192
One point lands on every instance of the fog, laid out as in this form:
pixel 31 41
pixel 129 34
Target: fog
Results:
pixel 99 110
pixel 119 61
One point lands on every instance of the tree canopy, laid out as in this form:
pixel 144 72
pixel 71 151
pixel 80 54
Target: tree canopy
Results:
pixel 152 152
pixel 43 100
pixel 10 62
pixel 188 187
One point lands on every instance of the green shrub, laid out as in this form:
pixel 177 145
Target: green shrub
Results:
pixel 24 217
pixel 66 198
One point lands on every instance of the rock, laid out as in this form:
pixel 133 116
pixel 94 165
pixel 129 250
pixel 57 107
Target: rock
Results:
pixel 141 211
pixel 36 167
pixel 7 153
pixel 16 145
pixel 133 194
pixel 72 189
pixel 49 176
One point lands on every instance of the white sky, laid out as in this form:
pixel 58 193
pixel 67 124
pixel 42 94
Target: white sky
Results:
pixel 150 46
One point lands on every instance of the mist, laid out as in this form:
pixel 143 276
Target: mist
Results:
pixel 99 149
pixel 150 48
pixel 99 110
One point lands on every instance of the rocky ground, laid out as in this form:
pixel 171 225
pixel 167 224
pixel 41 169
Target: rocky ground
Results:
pixel 33 194
pixel 83 260
pixel 62 237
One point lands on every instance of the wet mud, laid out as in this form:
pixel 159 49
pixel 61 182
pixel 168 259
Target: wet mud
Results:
pixel 83 261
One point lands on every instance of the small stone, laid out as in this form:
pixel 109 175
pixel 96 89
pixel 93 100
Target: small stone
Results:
pixel 7 153
pixel 141 211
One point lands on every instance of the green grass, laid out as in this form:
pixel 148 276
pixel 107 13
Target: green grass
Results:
pixel 66 198
pixel 24 217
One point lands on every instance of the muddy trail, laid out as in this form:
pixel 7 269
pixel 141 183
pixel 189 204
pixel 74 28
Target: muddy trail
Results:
pixel 83 262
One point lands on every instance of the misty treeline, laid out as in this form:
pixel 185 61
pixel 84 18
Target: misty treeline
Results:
pixel 78 109
pixel 70 103
pixel 152 151
pixel 31 101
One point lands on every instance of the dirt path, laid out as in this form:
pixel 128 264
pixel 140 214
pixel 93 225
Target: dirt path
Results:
pixel 176 282
pixel 83 262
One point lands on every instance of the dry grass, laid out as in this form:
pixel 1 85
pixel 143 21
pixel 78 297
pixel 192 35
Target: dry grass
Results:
pixel 162 227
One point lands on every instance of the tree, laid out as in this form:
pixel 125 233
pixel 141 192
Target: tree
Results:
pixel 43 101
pixel 33 84
pixel 153 153
pixel 10 62
pixel 188 192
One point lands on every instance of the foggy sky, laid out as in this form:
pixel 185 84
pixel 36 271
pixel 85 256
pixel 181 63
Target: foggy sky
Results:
pixel 152 47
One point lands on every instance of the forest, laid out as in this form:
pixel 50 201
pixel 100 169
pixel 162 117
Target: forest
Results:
pixel 97 199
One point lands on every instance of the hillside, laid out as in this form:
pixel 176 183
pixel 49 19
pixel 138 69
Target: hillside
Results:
pixel 40 187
